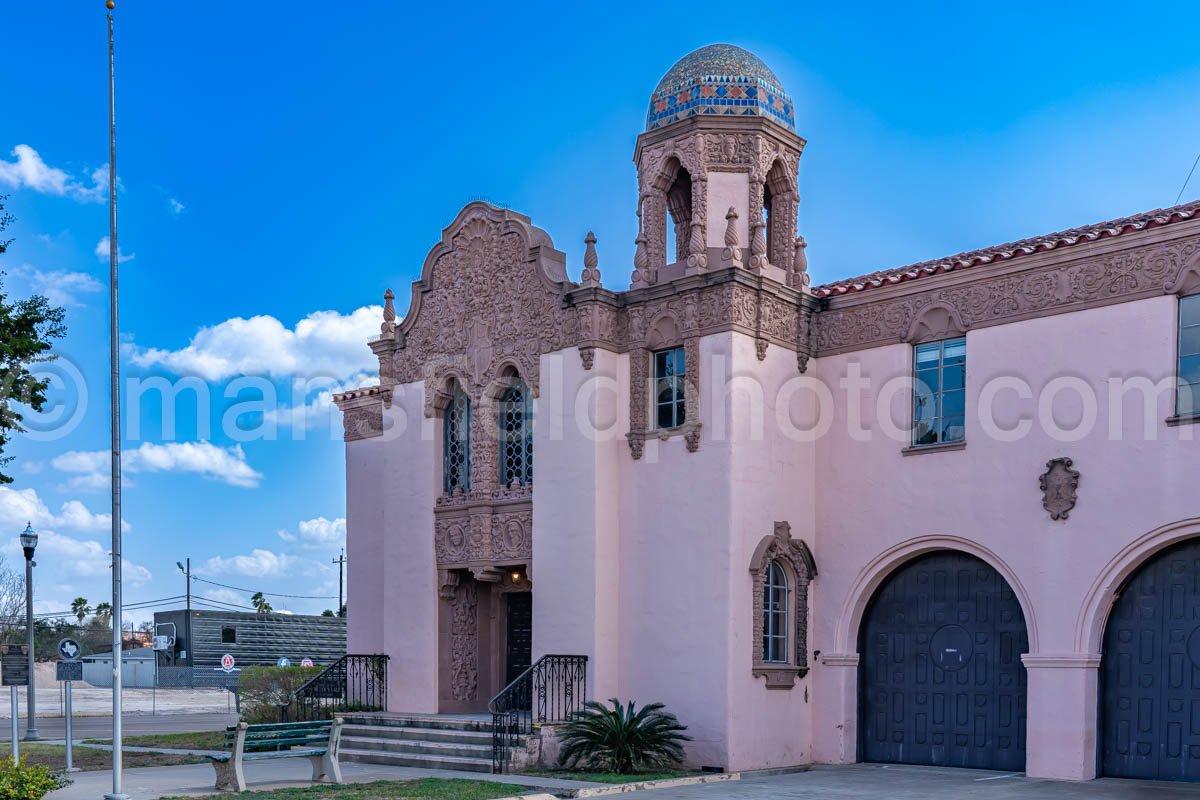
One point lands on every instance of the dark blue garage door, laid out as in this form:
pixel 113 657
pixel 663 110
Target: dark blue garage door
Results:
pixel 1151 672
pixel 942 681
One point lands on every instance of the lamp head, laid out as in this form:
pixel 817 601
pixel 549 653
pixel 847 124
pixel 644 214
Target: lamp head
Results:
pixel 180 565
pixel 29 540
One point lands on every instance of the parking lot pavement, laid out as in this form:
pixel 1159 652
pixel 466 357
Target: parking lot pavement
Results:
pixel 896 782
pixel 98 727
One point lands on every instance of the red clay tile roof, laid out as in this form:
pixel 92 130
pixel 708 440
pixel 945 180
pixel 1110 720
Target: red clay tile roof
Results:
pixel 1004 252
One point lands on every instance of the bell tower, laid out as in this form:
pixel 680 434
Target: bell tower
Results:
pixel 717 172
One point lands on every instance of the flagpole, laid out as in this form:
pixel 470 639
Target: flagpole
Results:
pixel 115 396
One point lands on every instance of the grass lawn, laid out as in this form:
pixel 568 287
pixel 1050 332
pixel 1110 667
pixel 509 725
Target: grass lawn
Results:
pixel 425 789
pixel 203 740
pixel 609 777
pixel 89 758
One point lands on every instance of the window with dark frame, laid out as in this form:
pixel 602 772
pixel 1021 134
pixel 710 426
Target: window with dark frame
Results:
pixel 456 443
pixel 775 603
pixel 669 374
pixel 516 435
pixel 228 635
pixel 939 392
pixel 1187 397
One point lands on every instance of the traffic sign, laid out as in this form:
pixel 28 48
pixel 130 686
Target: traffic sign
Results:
pixel 227 662
pixel 69 649
pixel 283 662
pixel 307 662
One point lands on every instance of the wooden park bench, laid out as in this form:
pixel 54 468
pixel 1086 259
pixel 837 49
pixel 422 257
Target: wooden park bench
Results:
pixel 316 741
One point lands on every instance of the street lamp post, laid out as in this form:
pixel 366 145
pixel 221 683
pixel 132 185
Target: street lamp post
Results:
pixel 29 540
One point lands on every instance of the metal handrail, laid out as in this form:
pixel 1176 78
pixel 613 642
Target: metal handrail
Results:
pixel 355 682
pixel 558 684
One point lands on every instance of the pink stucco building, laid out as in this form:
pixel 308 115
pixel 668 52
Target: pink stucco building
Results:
pixel 941 514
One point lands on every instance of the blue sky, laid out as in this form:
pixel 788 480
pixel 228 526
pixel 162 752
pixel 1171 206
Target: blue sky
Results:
pixel 282 164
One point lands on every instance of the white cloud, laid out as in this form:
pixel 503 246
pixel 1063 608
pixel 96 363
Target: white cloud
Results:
pixel 174 206
pixel 258 564
pixel 82 558
pixel 317 533
pixel 325 343
pixel 103 255
pixel 19 506
pixel 29 171
pixel 319 409
pixel 60 287
pixel 227 596
pixel 224 464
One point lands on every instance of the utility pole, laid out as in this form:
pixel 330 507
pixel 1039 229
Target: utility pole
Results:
pixel 114 334
pixel 341 562
pixel 187 628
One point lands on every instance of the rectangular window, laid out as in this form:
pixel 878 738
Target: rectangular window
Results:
pixel 228 635
pixel 939 392
pixel 668 388
pixel 1187 400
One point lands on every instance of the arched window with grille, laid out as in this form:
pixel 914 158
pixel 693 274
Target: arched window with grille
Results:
pixel 516 435
pixel 775 615
pixel 456 442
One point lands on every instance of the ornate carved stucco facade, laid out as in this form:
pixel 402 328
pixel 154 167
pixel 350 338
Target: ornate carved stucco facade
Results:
pixel 646 547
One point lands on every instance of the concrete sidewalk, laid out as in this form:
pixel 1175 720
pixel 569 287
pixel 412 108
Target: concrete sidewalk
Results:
pixel 197 779
pixel 897 782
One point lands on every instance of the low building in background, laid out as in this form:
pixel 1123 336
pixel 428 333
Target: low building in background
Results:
pixel 197 644
pixel 138 669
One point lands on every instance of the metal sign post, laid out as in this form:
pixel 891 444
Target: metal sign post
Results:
pixel 16 748
pixel 69 671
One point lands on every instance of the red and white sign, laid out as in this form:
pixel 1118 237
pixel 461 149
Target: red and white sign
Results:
pixel 307 662
pixel 227 662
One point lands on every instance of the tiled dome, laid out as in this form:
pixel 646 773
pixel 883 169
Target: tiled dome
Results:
pixel 721 80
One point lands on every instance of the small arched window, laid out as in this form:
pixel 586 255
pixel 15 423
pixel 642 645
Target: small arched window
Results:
pixel 775 615
pixel 516 435
pixel 456 442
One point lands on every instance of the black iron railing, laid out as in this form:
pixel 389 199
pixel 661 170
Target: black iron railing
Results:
pixel 352 683
pixel 551 690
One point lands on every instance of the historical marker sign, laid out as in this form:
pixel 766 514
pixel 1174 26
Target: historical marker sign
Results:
pixel 227 662
pixel 70 671
pixel 14 665
pixel 69 650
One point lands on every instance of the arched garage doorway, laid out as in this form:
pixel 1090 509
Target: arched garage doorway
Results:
pixel 1150 709
pixel 941 680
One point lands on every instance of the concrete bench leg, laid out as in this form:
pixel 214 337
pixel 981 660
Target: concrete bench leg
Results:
pixel 325 769
pixel 229 776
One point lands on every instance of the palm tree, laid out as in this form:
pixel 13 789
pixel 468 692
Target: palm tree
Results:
pixel 104 612
pixel 260 603
pixel 622 740
pixel 80 608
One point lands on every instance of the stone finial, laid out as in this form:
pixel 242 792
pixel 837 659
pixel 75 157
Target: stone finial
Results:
pixel 758 246
pixel 591 271
pixel 641 263
pixel 732 254
pixel 799 276
pixel 388 328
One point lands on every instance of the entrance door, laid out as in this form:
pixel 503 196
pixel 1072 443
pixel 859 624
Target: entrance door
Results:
pixel 1151 672
pixel 941 681
pixel 519 637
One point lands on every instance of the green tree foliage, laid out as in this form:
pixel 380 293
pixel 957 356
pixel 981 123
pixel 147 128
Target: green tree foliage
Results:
pixel 260 603
pixel 622 739
pixel 264 690
pixel 80 608
pixel 26 328
pixel 104 613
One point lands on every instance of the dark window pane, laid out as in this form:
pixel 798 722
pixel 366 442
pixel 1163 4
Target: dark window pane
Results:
pixel 665 417
pixel 954 351
pixel 1189 341
pixel 660 364
pixel 952 429
pixel 1189 310
pixel 954 376
pixel 1188 401
pixel 680 363
pixel 927 355
pixel 953 404
pixel 1189 369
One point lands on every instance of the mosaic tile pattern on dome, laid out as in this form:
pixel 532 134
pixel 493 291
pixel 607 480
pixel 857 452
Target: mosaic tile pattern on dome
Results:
pixel 722 80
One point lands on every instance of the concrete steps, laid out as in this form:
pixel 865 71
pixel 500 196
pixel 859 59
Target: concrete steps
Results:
pixel 418 740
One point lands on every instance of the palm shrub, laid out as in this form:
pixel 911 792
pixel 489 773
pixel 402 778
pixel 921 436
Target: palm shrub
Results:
pixel 622 739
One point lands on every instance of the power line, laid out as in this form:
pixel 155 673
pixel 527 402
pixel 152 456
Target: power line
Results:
pixel 218 604
pixel 1187 179
pixel 267 594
